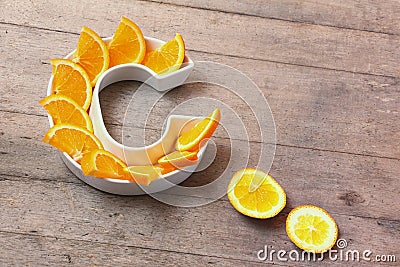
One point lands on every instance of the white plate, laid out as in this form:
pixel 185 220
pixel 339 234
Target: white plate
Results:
pixel 137 155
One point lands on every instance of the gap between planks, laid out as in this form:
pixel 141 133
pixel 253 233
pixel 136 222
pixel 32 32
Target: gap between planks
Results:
pixel 135 246
pixel 9 177
pixel 265 17
pixel 219 54
pixel 226 138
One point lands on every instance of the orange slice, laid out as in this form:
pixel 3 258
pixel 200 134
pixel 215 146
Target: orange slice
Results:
pixel 71 80
pixel 73 140
pixel 103 164
pixel 64 109
pixel 178 159
pixel 311 228
pixel 256 194
pixel 127 45
pixel 191 140
pixel 145 174
pixel 168 57
pixel 92 54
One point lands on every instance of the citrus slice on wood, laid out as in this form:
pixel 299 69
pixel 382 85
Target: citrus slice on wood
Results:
pixel 127 45
pixel 103 164
pixel 71 80
pixel 178 159
pixel 64 109
pixel 92 54
pixel 256 194
pixel 73 140
pixel 145 174
pixel 311 228
pixel 166 58
pixel 191 140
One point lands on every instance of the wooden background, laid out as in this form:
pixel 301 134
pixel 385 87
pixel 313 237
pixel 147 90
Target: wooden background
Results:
pixel 330 72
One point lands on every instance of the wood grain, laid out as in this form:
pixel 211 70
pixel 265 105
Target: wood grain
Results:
pixel 56 251
pixel 268 39
pixel 85 214
pixel 331 80
pixel 324 178
pixel 313 108
pixel 365 15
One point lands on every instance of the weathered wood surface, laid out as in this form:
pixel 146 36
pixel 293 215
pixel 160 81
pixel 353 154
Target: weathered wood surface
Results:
pixel 255 37
pixel 366 15
pixel 313 108
pixel 214 230
pixel 302 181
pixel 42 250
pixel 333 92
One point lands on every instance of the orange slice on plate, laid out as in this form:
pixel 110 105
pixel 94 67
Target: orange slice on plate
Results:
pixel 178 159
pixel 191 140
pixel 103 164
pixel 167 58
pixel 311 228
pixel 64 109
pixel 71 80
pixel 256 194
pixel 92 54
pixel 73 140
pixel 145 174
pixel 127 45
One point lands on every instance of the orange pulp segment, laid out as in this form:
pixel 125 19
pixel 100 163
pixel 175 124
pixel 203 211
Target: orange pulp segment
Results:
pixel 103 164
pixel 127 45
pixel 71 80
pixel 166 58
pixel 73 140
pixel 64 109
pixel 178 159
pixel 145 174
pixel 191 140
pixel 92 54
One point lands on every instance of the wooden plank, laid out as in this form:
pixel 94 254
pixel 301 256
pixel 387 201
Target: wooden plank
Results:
pixel 365 15
pixel 329 110
pixel 329 179
pixel 221 33
pixel 53 251
pixel 47 212
pixel 81 214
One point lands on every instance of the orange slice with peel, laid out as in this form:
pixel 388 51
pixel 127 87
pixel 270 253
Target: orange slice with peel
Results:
pixel 103 164
pixel 178 159
pixel 311 228
pixel 73 140
pixel 71 80
pixel 166 58
pixel 145 174
pixel 191 140
pixel 127 45
pixel 92 54
pixel 64 109
pixel 256 194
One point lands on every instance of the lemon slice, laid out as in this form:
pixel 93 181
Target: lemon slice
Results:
pixel 256 194
pixel 311 228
